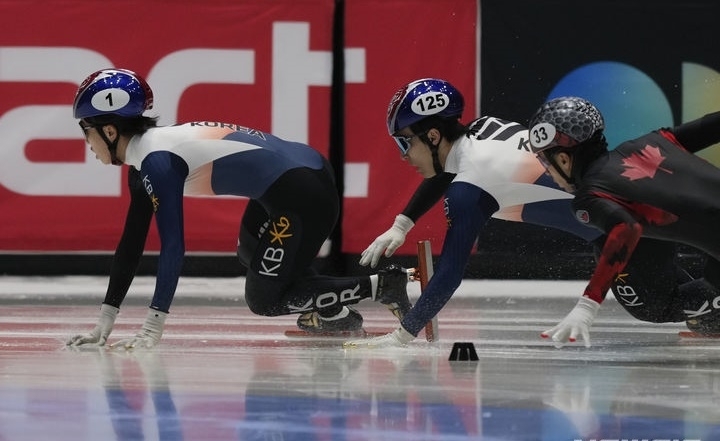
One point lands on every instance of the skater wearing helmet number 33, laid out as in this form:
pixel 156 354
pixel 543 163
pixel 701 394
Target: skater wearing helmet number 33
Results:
pixel 293 207
pixel 487 169
pixel 646 190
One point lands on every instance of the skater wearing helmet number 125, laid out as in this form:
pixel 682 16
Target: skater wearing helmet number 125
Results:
pixel 484 169
pixel 644 196
pixel 293 207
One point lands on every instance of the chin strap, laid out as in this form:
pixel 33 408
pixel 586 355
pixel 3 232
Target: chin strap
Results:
pixel 112 147
pixel 569 179
pixel 434 151
pixel 436 160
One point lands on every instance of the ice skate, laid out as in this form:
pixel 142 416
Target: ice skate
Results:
pixel 392 290
pixel 698 328
pixel 347 322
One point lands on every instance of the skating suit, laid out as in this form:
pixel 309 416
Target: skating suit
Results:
pixel 654 186
pixel 290 186
pixel 491 173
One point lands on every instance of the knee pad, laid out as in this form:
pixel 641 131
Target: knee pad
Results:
pixel 263 297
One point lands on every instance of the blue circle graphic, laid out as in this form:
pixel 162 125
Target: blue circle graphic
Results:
pixel 630 101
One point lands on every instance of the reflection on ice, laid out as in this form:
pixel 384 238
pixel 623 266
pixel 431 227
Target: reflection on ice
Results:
pixel 223 374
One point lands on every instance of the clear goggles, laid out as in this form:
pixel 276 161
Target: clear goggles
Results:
pixel 544 160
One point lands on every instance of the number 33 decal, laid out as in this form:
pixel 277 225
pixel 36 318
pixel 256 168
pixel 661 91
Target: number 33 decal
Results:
pixel 542 135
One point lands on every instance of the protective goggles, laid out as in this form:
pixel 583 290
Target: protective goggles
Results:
pixel 85 127
pixel 544 160
pixel 403 142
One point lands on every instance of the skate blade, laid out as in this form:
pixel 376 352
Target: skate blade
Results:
pixel 692 334
pixel 362 333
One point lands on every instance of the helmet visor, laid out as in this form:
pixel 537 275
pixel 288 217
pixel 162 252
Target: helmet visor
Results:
pixel 403 142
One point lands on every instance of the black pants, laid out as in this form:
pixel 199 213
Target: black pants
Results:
pixel 280 236
pixel 653 287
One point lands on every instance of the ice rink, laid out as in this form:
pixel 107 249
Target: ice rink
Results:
pixel 222 373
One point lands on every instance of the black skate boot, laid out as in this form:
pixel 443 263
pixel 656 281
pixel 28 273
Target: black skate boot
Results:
pixel 705 328
pixel 708 324
pixel 392 290
pixel 312 322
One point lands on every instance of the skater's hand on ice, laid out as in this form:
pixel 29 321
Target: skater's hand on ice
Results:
pixel 98 336
pixel 149 335
pixel 139 341
pixel 577 322
pixel 398 338
pixel 388 242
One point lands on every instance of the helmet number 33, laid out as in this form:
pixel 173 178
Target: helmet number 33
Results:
pixel 542 134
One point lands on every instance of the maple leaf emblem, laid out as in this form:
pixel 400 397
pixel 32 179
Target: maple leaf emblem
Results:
pixel 644 164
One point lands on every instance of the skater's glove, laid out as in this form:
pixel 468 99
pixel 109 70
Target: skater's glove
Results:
pixel 576 323
pixel 398 338
pixel 388 242
pixel 98 336
pixel 148 336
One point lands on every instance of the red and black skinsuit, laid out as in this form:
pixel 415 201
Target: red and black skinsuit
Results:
pixel 647 195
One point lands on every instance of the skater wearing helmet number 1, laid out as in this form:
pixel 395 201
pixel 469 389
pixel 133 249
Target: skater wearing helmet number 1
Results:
pixel 484 169
pixel 644 196
pixel 293 207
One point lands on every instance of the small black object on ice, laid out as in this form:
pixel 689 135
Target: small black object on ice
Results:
pixel 463 351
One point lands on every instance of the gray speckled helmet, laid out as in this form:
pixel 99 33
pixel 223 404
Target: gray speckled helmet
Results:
pixel 564 122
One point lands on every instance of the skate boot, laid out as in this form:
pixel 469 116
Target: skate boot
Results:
pixel 392 290
pixel 705 328
pixel 345 322
pixel 708 324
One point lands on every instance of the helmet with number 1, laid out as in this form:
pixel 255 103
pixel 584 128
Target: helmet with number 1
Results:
pixel 421 99
pixel 112 92
pixel 564 123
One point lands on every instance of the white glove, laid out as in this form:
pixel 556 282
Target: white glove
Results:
pixel 99 334
pixel 398 338
pixel 389 241
pixel 149 335
pixel 577 322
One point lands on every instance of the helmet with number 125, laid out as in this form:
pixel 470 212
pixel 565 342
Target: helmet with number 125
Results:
pixel 423 98
pixel 113 92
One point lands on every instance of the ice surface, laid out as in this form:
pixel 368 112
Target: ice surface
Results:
pixel 222 373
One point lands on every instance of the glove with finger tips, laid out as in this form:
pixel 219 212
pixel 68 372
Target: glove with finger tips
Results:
pixel 98 336
pixel 576 323
pixel 387 242
pixel 398 338
pixel 149 335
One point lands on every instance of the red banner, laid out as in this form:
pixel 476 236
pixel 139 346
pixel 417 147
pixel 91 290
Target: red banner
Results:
pixel 418 40
pixel 262 64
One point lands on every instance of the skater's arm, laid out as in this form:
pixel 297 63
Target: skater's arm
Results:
pixel 622 230
pixel 125 262
pixel 698 134
pixel 623 233
pixel 427 194
pixel 469 209
pixel 132 242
